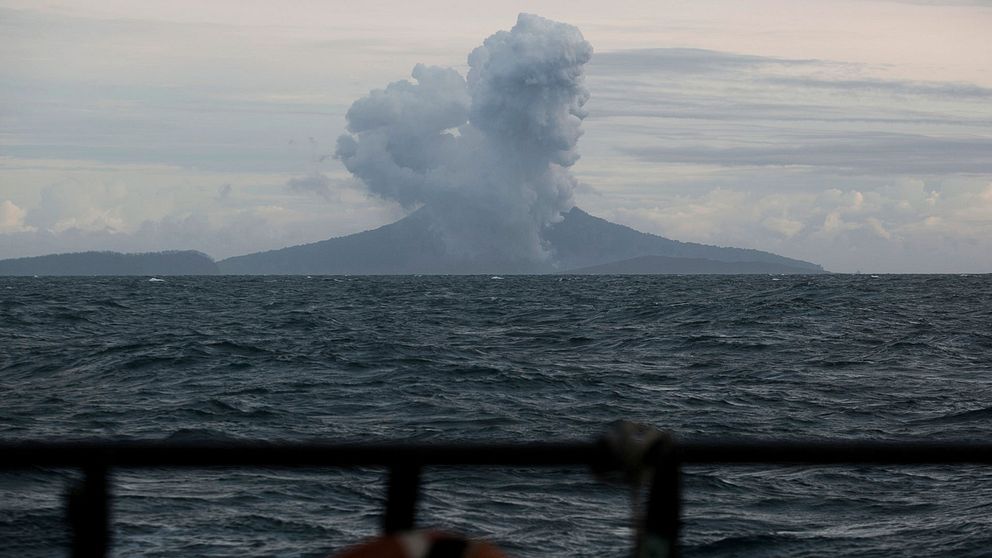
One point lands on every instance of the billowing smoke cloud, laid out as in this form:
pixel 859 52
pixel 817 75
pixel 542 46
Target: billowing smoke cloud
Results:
pixel 487 155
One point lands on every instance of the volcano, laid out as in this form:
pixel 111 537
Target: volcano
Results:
pixel 580 242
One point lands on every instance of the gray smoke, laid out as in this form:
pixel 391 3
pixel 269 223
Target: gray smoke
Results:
pixel 487 155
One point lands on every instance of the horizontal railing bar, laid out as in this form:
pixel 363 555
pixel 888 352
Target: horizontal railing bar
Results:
pixel 291 454
pixel 168 453
pixel 835 452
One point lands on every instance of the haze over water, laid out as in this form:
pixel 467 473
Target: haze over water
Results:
pixel 519 358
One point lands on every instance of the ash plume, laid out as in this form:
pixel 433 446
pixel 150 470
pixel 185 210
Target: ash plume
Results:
pixel 486 155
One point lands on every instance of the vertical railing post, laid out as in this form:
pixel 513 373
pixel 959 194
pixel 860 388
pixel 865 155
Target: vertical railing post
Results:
pixel 401 498
pixel 88 509
pixel 662 517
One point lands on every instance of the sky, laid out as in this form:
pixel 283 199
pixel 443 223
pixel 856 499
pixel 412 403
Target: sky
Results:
pixel 855 134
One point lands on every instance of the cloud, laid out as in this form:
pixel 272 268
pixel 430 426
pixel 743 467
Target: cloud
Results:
pixel 683 61
pixel 986 195
pixel 487 154
pixel 70 205
pixel 814 159
pixel 703 85
pixel 313 183
pixel 897 87
pixel 862 153
pixel 12 218
pixel 904 227
pixel 783 225
pixel 692 63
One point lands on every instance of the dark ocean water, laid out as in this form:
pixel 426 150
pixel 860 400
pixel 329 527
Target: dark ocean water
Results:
pixel 520 358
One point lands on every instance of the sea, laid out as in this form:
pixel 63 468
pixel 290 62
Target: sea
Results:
pixel 503 359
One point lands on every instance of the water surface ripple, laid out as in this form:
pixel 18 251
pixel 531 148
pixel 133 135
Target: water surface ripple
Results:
pixel 519 358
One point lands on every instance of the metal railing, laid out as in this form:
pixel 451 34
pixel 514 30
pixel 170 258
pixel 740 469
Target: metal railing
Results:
pixel 89 510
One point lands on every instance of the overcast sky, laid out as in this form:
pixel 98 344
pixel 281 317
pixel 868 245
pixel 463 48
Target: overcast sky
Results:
pixel 854 134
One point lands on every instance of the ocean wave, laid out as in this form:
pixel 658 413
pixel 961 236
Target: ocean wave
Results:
pixel 443 358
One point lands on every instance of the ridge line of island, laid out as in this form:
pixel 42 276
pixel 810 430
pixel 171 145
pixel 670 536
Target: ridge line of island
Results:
pixel 580 244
